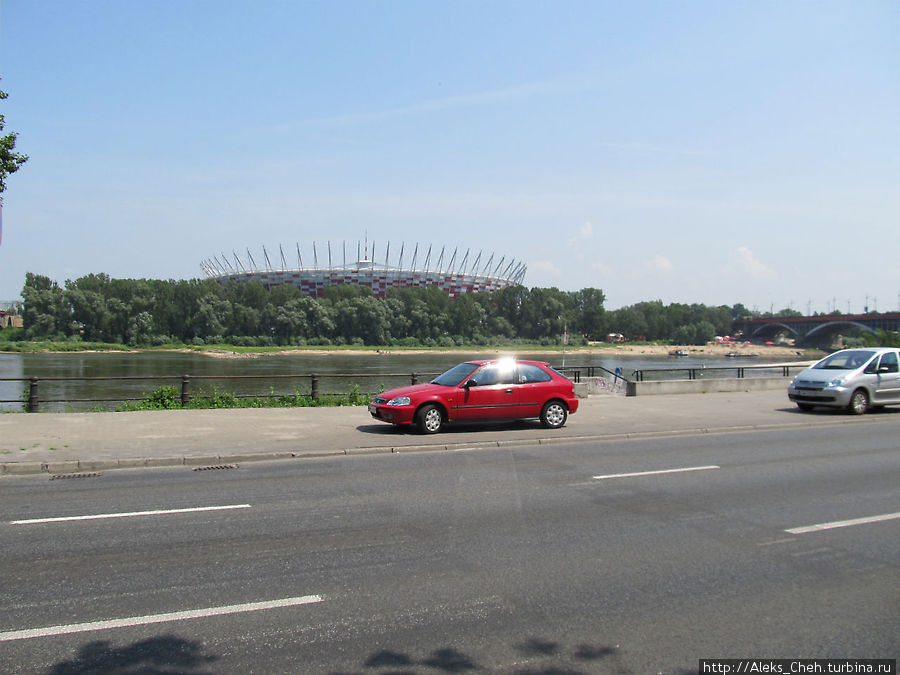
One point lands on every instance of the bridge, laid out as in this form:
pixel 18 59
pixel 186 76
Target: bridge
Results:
pixel 817 330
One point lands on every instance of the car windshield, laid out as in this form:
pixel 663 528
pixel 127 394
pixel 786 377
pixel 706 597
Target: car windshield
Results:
pixel 848 360
pixel 455 375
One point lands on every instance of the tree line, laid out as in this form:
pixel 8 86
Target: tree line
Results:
pixel 97 308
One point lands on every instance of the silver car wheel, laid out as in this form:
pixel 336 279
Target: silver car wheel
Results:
pixel 430 420
pixel 554 415
pixel 859 402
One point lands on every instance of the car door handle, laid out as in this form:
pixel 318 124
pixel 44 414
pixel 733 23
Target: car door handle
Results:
pixel 508 391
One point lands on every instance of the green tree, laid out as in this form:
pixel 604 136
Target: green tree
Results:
pixel 685 335
pixel 10 160
pixel 290 321
pixel 140 328
pixel 211 316
pixel 364 318
pixel 590 312
pixel 89 312
pixel 705 332
pixel 45 312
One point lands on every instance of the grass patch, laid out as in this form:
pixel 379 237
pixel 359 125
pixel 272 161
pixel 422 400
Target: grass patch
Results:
pixel 35 346
pixel 29 346
pixel 169 398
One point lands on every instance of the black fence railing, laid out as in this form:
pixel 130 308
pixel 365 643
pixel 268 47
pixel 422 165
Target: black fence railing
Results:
pixel 699 372
pixel 575 373
pixel 33 390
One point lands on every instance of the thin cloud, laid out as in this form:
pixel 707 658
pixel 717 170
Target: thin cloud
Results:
pixel 544 266
pixel 585 233
pixel 751 265
pixel 525 90
pixel 640 146
pixel 660 263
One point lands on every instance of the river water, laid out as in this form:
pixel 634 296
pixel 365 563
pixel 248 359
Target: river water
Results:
pixel 375 370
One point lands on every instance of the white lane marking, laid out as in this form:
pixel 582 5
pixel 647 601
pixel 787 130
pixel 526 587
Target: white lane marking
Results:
pixel 656 473
pixel 842 523
pixel 99 516
pixel 52 631
pixel 775 542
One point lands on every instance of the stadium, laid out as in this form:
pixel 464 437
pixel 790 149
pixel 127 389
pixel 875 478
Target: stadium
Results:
pixel 454 273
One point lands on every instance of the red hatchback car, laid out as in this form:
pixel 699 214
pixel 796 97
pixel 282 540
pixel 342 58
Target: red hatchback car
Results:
pixel 481 390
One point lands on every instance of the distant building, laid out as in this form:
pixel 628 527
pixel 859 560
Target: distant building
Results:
pixel 455 274
pixel 7 319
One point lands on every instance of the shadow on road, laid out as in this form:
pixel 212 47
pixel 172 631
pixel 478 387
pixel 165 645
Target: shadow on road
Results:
pixel 383 429
pixel 840 412
pixel 162 655
pixel 538 656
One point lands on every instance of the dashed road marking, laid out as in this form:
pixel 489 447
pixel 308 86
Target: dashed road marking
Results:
pixel 67 629
pixel 821 527
pixel 656 473
pixel 132 514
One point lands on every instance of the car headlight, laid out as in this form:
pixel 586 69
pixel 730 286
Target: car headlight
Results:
pixel 399 400
pixel 837 382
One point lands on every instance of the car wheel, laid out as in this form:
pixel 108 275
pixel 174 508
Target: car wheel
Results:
pixel 859 402
pixel 554 415
pixel 429 419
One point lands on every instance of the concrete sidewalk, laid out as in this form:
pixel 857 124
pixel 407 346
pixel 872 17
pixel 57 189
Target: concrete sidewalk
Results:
pixel 61 443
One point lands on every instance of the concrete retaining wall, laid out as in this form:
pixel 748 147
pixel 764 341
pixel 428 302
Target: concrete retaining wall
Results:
pixel 707 386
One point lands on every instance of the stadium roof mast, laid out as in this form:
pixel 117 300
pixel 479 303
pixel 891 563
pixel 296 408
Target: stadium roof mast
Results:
pixel 485 272
pixel 452 260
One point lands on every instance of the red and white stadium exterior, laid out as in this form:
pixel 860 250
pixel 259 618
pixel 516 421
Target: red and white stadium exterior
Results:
pixel 457 276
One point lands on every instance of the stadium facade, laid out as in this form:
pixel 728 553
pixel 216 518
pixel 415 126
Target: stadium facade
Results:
pixel 455 273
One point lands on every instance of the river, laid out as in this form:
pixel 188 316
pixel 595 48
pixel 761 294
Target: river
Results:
pixel 376 367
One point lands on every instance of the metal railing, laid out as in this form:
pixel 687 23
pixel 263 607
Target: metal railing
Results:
pixel 32 399
pixel 698 372
pixel 575 373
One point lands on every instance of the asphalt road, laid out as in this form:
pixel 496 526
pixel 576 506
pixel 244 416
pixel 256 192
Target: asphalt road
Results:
pixel 529 559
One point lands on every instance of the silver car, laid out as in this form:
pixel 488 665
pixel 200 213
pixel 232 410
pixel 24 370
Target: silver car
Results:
pixel 856 379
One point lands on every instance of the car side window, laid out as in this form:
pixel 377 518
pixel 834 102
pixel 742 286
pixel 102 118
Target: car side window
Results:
pixel 494 374
pixel 529 373
pixel 890 362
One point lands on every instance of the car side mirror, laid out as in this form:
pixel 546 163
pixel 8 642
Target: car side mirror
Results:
pixel 470 383
pixel 885 369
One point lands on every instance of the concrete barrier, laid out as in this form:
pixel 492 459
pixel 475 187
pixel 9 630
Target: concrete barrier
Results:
pixel 707 386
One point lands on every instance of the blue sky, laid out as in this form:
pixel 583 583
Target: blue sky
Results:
pixel 712 152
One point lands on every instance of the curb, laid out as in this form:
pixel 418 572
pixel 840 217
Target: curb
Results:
pixel 193 461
